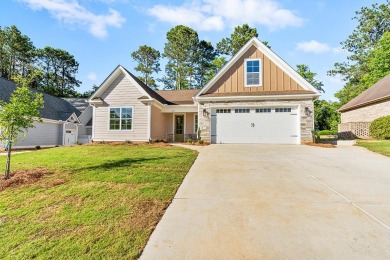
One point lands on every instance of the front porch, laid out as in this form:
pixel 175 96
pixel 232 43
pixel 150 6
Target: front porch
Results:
pixel 181 127
pixel 174 123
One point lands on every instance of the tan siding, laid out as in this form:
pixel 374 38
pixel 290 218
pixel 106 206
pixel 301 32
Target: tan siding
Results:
pixel 294 85
pixel 169 123
pixel 240 76
pixel 274 79
pixel 286 81
pixel 280 79
pixel 49 134
pixel 190 123
pixel 121 93
pixel 267 74
pixel 158 126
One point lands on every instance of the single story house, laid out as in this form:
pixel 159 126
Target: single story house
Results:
pixel 255 98
pixel 85 118
pixel 358 114
pixel 60 121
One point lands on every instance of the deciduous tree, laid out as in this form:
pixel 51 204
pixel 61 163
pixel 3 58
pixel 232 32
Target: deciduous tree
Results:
pixel 373 22
pixel 18 115
pixel 305 72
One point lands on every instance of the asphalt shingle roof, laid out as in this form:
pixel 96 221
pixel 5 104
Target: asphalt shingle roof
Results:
pixel 179 97
pixel 80 103
pixel 54 108
pixel 379 92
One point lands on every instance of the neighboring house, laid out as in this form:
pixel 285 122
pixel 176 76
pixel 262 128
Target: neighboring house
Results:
pixel 358 114
pixel 255 98
pixel 85 118
pixel 60 121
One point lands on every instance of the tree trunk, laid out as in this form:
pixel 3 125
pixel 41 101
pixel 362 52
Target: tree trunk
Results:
pixel 8 165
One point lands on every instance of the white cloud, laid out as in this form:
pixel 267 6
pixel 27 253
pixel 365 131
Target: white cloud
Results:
pixel 92 76
pixel 313 47
pixel 317 47
pixel 71 12
pixel 209 15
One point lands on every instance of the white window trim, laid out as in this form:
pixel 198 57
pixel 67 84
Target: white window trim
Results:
pixel 260 73
pixel 120 120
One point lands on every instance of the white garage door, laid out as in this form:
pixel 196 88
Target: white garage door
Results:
pixel 267 125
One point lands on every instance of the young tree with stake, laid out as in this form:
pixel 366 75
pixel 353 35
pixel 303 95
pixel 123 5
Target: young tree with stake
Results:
pixel 18 115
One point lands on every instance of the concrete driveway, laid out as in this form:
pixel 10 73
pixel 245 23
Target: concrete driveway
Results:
pixel 278 202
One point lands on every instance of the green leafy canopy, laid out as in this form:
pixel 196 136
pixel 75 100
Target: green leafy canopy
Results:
pixel 20 113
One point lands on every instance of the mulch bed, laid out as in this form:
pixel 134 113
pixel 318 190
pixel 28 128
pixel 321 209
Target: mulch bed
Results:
pixel 21 177
pixel 157 144
pixel 321 145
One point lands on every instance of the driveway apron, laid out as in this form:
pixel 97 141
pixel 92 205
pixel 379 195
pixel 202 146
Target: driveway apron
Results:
pixel 278 202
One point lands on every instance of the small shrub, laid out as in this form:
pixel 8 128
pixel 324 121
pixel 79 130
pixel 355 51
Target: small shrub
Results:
pixel 380 128
pixel 190 140
pixel 200 141
pixel 326 132
pixel 38 147
pixel 128 141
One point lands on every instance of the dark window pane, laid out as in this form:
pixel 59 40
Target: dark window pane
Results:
pixel 114 124
pixel 115 112
pixel 126 124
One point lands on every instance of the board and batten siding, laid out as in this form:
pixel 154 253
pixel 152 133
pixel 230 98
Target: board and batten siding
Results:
pixel 121 93
pixel 273 77
pixel 44 134
pixel 158 124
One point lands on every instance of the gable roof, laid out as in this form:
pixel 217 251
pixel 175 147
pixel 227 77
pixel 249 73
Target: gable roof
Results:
pixel 145 90
pixel 54 108
pixel 380 91
pixel 178 97
pixel 272 56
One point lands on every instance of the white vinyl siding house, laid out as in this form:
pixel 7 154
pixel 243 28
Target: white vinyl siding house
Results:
pixel 45 134
pixel 255 98
pixel 60 121
pixel 121 93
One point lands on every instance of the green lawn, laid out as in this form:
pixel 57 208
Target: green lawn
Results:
pixel 111 201
pixel 382 147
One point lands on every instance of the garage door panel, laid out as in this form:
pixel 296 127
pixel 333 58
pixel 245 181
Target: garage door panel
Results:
pixel 254 127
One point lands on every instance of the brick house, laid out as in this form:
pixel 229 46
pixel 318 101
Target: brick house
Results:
pixel 358 114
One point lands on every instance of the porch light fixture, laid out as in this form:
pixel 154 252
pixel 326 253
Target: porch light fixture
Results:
pixel 205 112
pixel 307 111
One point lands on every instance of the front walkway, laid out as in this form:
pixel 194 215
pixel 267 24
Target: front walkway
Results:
pixel 278 202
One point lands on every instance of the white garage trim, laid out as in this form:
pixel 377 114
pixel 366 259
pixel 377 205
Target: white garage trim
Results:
pixel 256 124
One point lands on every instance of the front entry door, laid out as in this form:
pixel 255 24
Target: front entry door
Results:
pixel 179 128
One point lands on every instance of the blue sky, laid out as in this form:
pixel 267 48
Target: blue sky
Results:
pixel 102 33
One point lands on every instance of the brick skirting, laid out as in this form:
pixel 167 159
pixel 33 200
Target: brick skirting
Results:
pixel 354 130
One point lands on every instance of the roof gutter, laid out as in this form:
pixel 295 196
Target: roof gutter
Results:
pixel 249 98
pixel 364 104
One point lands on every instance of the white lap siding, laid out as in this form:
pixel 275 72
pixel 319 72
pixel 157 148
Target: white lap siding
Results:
pixel 45 134
pixel 121 93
